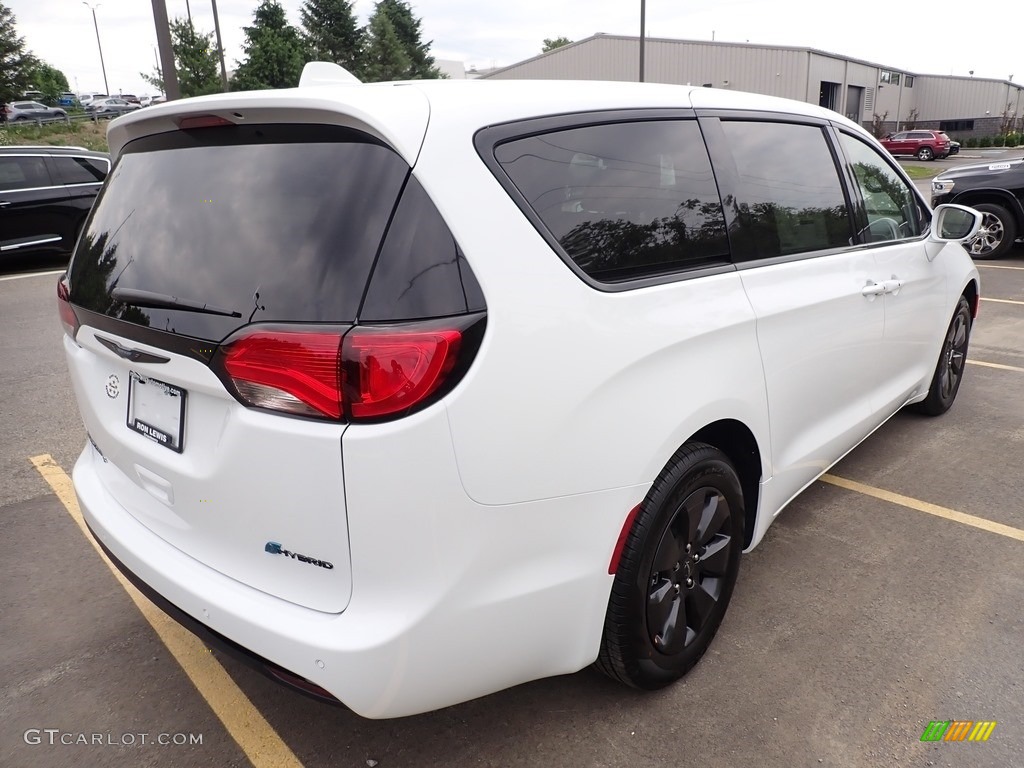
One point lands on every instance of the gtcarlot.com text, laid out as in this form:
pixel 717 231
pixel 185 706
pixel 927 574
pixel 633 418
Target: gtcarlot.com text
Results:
pixel 56 737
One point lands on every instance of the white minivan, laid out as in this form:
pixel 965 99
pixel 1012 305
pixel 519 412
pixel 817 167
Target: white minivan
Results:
pixel 411 392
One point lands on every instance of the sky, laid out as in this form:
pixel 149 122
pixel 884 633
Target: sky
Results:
pixel 942 38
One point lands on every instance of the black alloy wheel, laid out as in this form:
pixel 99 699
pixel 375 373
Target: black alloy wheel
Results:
pixel 677 571
pixel 949 372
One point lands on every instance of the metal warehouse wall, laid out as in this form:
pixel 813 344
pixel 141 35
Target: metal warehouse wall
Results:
pixel 772 71
pixel 955 98
pixel 794 73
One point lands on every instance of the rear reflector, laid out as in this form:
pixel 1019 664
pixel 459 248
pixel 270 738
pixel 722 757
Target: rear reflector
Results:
pixel 288 371
pixel 627 526
pixel 68 318
pixel 202 121
pixel 387 372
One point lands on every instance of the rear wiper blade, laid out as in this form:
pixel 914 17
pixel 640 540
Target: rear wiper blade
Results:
pixel 164 301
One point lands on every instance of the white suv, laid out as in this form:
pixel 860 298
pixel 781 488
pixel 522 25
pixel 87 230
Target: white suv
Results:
pixel 411 392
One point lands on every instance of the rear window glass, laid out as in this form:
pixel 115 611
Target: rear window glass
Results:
pixel 80 170
pixel 259 223
pixel 23 172
pixel 624 200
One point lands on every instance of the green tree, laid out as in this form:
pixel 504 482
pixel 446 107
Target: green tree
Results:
pixel 273 51
pixel 386 58
pixel 195 60
pixel 16 64
pixel 550 43
pixel 407 29
pixel 330 33
pixel 49 80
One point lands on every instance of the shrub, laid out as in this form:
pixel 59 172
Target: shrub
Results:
pixel 984 141
pixel 1012 140
pixel 971 143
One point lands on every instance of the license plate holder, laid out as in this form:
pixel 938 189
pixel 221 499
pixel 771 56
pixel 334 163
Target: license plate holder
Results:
pixel 156 410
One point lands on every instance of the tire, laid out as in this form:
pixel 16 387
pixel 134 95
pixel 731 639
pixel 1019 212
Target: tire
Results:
pixel 677 571
pixel 998 231
pixel 925 153
pixel 949 371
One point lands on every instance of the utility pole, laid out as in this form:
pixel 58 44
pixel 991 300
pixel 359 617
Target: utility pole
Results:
pixel 163 39
pixel 106 88
pixel 220 48
pixel 188 10
pixel 643 32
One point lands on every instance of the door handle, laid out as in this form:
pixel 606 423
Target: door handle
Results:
pixel 893 286
pixel 4 202
pixel 872 289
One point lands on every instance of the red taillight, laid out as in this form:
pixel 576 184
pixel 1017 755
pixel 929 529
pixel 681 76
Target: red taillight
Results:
pixel 387 372
pixel 627 526
pixel 288 371
pixel 68 318
pixel 365 374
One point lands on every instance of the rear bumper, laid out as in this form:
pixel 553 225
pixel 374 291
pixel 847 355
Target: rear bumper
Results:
pixel 491 597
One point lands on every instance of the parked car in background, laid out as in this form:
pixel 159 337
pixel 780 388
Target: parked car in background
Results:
pixel 924 145
pixel 68 100
pixel 954 146
pixel 111 107
pixel 996 190
pixel 581 344
pixel 131 98
pixel 86 99
pixel 45 196
pixel 23 111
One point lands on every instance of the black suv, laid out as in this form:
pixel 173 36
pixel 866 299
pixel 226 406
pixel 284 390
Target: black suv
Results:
pixel 45 195
pixel 994 189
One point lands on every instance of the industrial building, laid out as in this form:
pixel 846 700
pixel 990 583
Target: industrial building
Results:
pixel 874 95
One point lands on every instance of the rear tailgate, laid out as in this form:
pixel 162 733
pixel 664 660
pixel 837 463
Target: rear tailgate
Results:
pixel 201 235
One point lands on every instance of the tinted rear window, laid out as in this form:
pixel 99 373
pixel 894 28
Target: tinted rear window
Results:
pixel 275 223
pixel 624 200
pixel 80 170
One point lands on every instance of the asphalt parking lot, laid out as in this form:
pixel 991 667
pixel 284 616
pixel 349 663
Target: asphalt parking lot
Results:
pixel 887 596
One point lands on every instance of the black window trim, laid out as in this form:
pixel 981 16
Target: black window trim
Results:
pixel 488 139
pixel 727 174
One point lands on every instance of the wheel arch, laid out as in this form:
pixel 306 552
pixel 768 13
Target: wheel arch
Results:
pixel 735 440
pixel 970 292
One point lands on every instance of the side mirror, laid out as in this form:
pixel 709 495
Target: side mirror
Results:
pixel 954 224
pixel 951 224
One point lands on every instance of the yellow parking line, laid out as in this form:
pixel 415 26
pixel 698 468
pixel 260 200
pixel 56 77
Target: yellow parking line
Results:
pixel 1000 366
pixel 1002 301
pixel 247 726
pixel 928 508
pixel 995 266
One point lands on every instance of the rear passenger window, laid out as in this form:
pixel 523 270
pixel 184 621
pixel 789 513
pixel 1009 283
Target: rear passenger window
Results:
pixel 80 170
pixel 789 195
pixel 23 172
pixel 626 200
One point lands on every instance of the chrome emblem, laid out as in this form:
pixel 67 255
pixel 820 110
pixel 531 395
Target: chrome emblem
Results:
pixel 113 386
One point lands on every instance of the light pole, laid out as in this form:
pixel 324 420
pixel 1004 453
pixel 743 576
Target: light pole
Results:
pixel 220 48
pixel 106 88
pixel 643 25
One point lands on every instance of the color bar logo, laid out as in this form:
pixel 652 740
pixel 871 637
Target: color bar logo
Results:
pixel 958 730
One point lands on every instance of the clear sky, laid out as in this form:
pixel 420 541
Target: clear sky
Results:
pixel 935 37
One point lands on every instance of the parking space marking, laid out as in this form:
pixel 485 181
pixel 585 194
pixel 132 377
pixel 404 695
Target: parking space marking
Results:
pixel 995 266
pixel 33 274
pixel 926 507
pixel 1002 301
pixel 246 725
pixel 1000 366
